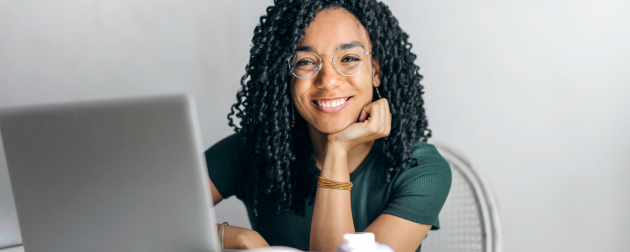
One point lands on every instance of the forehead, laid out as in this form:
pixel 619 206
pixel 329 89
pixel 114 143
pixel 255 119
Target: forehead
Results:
pixel 332 27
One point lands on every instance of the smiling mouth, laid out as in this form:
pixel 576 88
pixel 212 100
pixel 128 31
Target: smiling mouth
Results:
pixel 331 103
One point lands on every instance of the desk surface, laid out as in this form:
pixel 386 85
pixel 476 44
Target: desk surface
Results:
pixel 13 249
pixel 21 249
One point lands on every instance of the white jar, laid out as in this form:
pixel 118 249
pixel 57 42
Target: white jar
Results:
pixel 362 242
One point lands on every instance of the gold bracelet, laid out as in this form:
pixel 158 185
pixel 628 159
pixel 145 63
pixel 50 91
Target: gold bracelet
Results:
pixel 221 232
pixel 334 184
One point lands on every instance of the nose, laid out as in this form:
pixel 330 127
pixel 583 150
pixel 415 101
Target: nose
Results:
pixel 328 78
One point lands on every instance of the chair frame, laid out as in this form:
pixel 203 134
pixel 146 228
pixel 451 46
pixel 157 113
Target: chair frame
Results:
pixel 486 200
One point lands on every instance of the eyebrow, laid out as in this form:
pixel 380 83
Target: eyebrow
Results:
pixel 342 46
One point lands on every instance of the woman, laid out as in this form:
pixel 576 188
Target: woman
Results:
pixel 331 96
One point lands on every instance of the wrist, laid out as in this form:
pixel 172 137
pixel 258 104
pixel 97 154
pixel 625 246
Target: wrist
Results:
pixel 336 148
pixel 251 239
pixel 335 164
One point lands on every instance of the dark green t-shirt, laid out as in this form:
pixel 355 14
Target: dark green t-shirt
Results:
pixel 416 194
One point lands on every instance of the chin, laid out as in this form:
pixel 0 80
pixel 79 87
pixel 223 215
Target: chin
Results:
pixel 334 127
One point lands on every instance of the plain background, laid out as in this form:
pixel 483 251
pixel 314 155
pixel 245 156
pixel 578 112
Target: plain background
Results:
pixel 535 92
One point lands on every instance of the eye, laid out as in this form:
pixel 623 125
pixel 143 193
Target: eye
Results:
pixel 304 63
pixel 350 59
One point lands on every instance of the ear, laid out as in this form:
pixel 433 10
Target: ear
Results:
pixel 376 72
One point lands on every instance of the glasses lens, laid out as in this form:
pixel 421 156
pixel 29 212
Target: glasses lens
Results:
pixel 350 61
pixel 304 65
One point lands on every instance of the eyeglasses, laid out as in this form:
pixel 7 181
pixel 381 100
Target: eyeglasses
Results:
pixel 348 62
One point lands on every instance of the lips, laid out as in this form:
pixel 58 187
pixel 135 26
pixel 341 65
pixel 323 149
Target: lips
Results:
pixel 331 105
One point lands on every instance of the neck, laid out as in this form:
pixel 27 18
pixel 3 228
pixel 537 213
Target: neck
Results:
pixel 319 140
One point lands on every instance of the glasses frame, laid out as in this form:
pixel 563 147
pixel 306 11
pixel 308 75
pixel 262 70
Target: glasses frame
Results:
pixel 321 63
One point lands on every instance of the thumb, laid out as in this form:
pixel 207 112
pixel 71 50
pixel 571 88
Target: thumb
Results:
pixel 363 116
pixel 365 112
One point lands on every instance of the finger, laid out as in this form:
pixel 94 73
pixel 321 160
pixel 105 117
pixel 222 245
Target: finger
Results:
pixel 383 114
pixel 363 115
pixel 366 112
pixel 376 119
pixel 375 111
pixel 386 105
pixel 388 118
pixel 381 119
pixel 389 122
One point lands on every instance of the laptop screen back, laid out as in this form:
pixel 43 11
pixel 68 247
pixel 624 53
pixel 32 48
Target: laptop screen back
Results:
pixel 123 175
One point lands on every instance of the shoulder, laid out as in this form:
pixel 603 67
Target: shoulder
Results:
pixel 427 152
pixel 231 140
pixel 231 143
pixel 431 169
pixel 225 160
pixel 428 157
pixel 228 153
pixel 420 190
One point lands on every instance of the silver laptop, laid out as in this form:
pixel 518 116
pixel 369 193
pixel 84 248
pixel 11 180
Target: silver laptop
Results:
pixel 118 175
pixel 9 227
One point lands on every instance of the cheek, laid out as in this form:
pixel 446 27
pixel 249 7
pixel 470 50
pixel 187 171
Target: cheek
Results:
pixel 299 92
pixel 363 85
pixel 302 109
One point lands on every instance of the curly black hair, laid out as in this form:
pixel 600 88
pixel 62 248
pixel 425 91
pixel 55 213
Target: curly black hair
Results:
pixel 282 165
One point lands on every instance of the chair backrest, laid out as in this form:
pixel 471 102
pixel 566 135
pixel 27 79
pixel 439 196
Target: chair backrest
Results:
pixel 469 220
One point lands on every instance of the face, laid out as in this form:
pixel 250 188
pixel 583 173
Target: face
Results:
pixel 330 101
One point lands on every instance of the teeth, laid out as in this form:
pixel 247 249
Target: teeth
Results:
pixel 329 103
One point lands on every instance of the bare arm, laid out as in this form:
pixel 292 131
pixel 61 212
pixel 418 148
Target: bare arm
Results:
pixel 332 214
pixel 237 237
pixel 401 234
pixel 216 196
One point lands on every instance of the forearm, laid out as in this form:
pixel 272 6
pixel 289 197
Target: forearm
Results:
pixel 332 213
pixel 242 238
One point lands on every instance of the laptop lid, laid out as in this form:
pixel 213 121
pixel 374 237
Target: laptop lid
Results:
pixel 9 227
pixel 118 175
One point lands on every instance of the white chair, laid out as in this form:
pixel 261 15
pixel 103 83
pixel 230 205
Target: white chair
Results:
pixel 469 221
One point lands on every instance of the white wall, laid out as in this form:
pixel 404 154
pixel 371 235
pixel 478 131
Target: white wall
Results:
pixel 67 50
pixel 535 91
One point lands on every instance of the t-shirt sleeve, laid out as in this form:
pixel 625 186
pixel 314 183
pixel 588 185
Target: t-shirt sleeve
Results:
pixel 224 165
pixel 419 192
